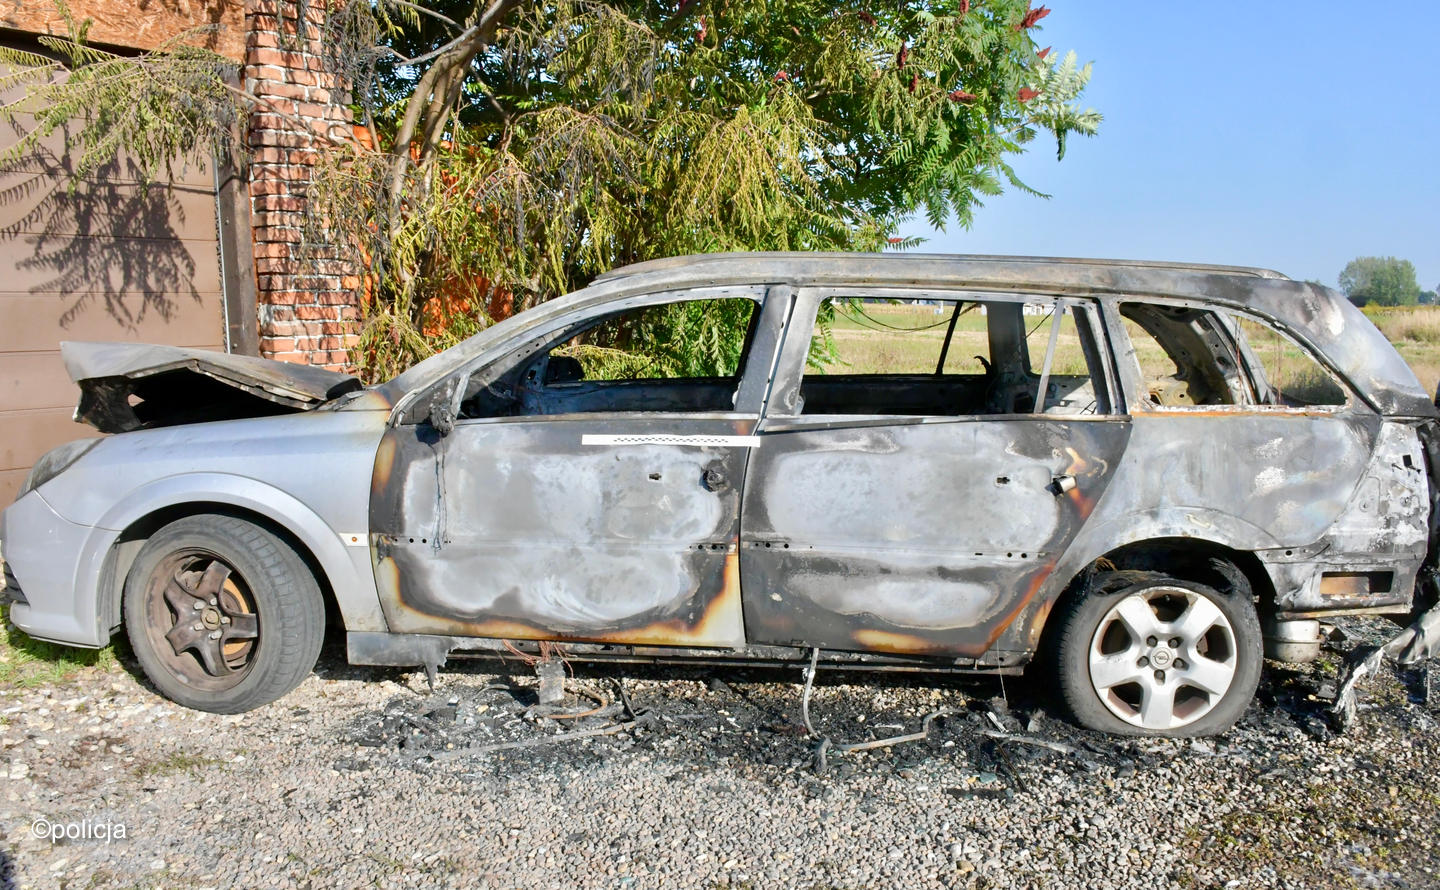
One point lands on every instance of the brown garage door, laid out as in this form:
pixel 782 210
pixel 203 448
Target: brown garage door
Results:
pixel 106 260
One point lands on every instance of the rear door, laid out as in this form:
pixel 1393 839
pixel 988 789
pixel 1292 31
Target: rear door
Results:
pixel 918 474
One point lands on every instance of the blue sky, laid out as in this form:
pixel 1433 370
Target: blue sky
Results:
pixel 1286 135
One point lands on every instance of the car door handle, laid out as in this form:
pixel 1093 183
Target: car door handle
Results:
pixel 714 479
pixel 1062 483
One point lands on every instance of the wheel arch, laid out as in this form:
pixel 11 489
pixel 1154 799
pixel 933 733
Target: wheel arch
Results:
pixel 1203 560
pixel 349 592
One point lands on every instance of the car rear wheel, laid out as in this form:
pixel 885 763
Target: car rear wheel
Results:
pixel 223 615
pixel 1159 656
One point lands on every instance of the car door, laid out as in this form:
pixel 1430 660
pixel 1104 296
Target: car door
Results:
pixel 567 508
pixel 915 508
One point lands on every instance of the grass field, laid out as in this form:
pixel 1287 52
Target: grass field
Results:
pixel 880 338
pixel 897 339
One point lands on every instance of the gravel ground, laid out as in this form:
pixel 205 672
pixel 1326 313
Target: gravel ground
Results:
pixel 370 778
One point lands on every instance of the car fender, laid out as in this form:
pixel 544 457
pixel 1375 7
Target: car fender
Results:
pixel 1202 525
pixel 345 561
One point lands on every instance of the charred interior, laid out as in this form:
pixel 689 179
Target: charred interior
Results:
pixel 122 404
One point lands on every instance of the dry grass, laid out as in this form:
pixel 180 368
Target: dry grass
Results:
pixel 1415 331
pixel 901 339
pixel 866 346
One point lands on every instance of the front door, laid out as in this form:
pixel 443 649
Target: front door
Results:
pixel 919 488
pixel 602 505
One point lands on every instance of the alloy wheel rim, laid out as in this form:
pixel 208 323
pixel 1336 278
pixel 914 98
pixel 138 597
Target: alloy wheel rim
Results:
pixel 1163 658
pixel 201 620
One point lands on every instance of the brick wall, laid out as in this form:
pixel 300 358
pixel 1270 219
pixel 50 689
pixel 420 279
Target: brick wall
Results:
pixel 213 24
pixel 306 312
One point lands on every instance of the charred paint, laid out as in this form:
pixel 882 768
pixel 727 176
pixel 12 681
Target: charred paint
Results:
pixel 936 537
pixel 384 466
pixel 519 530
pixel 912 538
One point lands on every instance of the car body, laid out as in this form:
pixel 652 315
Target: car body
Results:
pixel 492 495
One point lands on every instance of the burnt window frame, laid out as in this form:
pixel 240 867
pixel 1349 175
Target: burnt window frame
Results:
pixel 783 401
pixel 512 356
pixel 1248 365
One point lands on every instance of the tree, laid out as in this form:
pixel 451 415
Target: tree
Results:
pixel 524 148
pixel 1385 281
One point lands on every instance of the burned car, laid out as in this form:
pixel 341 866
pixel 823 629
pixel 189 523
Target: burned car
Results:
pixel 1140 476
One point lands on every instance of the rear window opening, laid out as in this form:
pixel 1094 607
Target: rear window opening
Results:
pixel 1191 357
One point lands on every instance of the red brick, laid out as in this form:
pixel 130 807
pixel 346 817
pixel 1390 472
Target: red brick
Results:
pixel 273 234
pixel 269 251
pixel 282 266
pixel 279 203
pixel 281 58
pixel 283 139
pixel 271 187
pixel 267 88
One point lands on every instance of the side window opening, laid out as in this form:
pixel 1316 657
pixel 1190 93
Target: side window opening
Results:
pixel 1193 357
pixel 1184 356
pixel 872 356
pixel 1284 374
pixel 684 355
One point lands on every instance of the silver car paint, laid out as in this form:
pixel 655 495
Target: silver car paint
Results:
pixel 270 465
pixel 309 473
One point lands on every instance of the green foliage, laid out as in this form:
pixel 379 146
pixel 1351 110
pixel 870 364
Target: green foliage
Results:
pixel 1384 281
pixel 159 108
pixel 698 338
pixel 590 135
pixel 522 149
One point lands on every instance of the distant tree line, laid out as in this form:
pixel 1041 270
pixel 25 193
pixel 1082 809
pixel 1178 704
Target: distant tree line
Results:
pixel 1384 281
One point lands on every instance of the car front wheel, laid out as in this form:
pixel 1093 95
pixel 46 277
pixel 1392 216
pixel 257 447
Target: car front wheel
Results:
pixel 1159 656
pixel 223 615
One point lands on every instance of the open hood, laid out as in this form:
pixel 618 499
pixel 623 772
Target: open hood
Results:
pixel 131 386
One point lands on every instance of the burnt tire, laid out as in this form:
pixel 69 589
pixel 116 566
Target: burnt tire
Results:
pixel 223 615
pixel 1157 655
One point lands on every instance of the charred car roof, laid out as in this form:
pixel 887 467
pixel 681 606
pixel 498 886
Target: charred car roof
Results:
pixel 1313 314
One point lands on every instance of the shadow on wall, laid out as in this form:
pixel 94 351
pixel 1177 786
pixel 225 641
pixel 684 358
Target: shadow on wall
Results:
pixel 107 243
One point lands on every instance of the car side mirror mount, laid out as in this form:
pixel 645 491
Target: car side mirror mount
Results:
pixel 443 409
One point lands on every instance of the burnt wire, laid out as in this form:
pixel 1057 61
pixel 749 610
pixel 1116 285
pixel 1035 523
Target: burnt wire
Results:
pixel 1049 315
pixel 857 314
pixel 809 685
pixel 822 749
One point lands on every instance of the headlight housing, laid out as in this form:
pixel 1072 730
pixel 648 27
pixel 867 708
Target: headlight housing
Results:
pixel 54 463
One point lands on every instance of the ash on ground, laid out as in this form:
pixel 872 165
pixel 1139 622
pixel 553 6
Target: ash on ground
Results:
pixel 669 777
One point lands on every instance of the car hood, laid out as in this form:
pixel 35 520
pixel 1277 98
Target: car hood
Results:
pixel 131 386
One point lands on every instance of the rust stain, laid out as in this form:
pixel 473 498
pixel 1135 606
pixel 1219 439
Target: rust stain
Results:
pixel 720 621
pixel 719 625
pixel 1036 581
pixel 1079 468
pixel 387 577
pixel 384 465
pixel 894 643
pixel 1037 623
